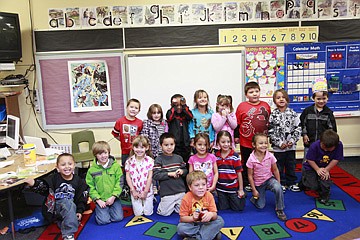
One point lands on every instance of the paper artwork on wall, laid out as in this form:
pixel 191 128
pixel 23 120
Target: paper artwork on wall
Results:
pixel 89 86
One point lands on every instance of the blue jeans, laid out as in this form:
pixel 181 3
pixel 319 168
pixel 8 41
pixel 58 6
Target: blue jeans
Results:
pixel 113 213
pixel 286 165
pixel 69 224
pixel 273 185
pixel 201 230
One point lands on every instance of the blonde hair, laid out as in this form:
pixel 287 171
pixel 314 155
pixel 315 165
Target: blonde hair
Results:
pixel 100 147
pixel 198 94
pixel 195 175
pixel 143 141
pixel 224 99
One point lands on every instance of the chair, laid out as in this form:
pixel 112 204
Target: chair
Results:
pixel 81 144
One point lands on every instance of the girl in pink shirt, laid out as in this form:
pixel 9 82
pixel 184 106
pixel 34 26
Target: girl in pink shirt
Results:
pixel 204 161
pixel 224 118
pixel 264 175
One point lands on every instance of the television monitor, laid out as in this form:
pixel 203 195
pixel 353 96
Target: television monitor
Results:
pixel 10 38
pixel 13 131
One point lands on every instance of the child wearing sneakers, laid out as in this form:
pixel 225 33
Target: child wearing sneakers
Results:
pixel 264 175
pixel 322 156
pixel 284 132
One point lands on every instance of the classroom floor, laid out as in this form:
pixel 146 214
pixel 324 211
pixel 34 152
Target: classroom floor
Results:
pixel 351 165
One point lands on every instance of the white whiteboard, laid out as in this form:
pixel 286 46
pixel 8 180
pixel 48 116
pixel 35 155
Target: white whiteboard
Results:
pixel 155 78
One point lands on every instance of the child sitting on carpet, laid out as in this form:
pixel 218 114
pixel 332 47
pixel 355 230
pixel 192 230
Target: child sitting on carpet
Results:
pixel 170 170
pixel 103 178
pixel 322 156
pixel 198 213
pixel 261 171
pixel 139 171
pixel 66 195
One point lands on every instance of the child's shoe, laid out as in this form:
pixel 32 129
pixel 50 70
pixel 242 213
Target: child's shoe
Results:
pixel 294 188
pixel 283 188
pixel 281 215
pixel 248 188
pixel 70 237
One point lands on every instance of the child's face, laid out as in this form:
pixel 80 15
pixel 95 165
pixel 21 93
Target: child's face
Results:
pixel 202 100
pixel 280 100
pixel 133 109
pixel 225 143
pixel 156 114
pixel 261 144
pixel 140 150
pixel 198 188
pixel 253 94
pixel 320 99
pixel 66 166
pixel 201 146
pixel 168 146
pixel 102 157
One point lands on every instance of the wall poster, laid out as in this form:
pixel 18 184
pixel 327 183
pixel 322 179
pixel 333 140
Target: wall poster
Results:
pixel 338 62
pixel 261 67
pixel 89 86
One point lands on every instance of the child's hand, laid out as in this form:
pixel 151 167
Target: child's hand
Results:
pixel 78 216
pixel 135 194
pixel 206 217
pixel 110 200
pixel 143 195
pixel 172 174
pixel 196 216
pixel 29 181
pixel 237 140
pixel 290 144
pixel 101 203
pixel 306 139
pixel 179 172
pixel 241 193
pixel 255 193
pixel 283 146
pixel 211 189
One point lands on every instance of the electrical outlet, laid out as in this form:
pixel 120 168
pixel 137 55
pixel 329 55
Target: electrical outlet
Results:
pixel 36 101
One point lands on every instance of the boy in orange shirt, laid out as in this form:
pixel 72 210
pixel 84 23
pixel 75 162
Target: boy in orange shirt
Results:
pixel 198 212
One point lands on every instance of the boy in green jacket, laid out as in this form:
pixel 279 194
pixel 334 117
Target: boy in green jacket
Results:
pixel 103 178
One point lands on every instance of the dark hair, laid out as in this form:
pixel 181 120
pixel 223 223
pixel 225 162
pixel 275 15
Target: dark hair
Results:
pixel 223 133
pixel 329 138
pixel 133 100
pixel 166 135
pixel 176 96
pixel 64 155
pixel 324 94
pixel 152 108
pixel 285 95
pixel 204 136
pixel 250 85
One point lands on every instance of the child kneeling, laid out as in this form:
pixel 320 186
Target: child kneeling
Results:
pixel 66 195
pixel 198 213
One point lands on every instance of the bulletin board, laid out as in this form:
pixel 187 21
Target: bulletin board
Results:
pixel 155 78
pixel 338 62
pixel 55 90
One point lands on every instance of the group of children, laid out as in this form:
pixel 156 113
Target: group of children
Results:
pixel 195 150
